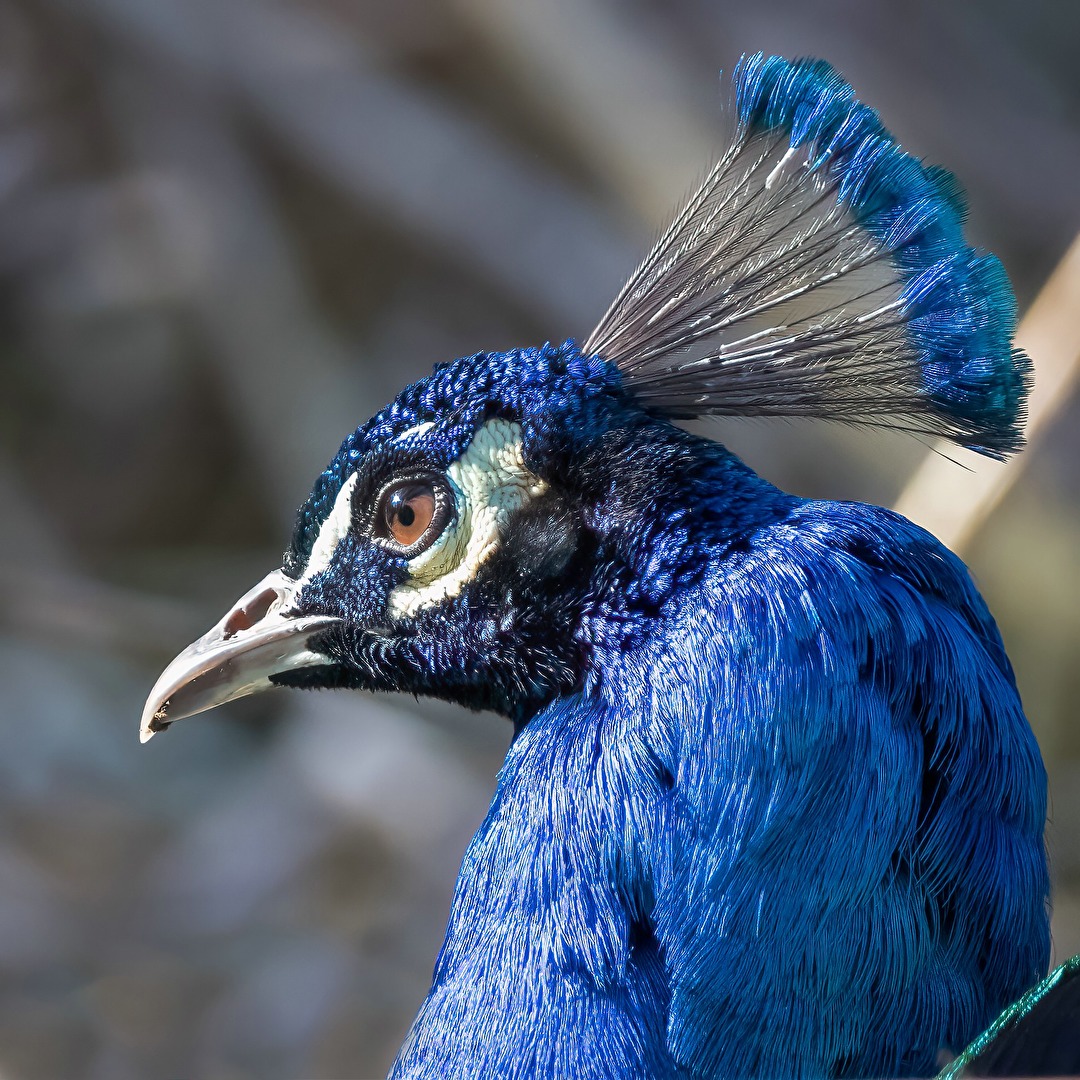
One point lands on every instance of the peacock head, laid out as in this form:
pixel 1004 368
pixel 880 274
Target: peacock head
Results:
pixel 468 541
pixel 504 531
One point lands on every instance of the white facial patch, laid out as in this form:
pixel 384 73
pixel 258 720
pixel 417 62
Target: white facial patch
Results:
pixel 490 483
pixel 339 520
pixel 418 429
pixel 330 535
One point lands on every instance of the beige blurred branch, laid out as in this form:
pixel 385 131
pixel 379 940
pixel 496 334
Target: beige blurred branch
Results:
pixel 953 502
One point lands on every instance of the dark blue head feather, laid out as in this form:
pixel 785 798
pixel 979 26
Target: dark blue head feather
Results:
pixel 546 388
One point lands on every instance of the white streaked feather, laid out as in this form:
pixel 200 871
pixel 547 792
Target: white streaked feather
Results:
pixel 764 297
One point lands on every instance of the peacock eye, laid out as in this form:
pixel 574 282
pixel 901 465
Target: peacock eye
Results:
pixel 411 514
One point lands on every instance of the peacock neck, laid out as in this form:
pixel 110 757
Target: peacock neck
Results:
pixel 549 966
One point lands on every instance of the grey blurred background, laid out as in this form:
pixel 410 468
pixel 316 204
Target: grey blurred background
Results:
pixel 229 231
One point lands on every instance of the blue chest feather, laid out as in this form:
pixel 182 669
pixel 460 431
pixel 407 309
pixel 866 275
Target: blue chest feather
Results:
pixel 795 830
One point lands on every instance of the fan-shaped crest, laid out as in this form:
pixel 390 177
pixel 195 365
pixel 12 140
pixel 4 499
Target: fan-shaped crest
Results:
pixel 821 271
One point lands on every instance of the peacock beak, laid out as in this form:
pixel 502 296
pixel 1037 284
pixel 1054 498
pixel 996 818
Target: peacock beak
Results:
pixel 256 639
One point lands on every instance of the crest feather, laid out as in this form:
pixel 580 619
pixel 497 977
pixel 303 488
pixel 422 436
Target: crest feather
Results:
pixel 821 271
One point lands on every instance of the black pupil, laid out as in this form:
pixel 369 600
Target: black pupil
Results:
pixel 399 512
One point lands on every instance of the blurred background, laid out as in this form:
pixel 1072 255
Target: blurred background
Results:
pixel 229 231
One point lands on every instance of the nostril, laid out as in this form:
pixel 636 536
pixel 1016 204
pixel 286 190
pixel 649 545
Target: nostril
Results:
pixel 245 616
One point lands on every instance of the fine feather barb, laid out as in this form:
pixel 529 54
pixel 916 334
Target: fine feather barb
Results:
pixel 821 271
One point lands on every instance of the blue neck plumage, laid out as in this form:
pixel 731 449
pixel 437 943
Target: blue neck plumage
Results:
pixel 550 920
pixel 557 880
pixel 555 898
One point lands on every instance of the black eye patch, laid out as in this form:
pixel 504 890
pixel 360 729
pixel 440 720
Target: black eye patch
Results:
pixel 376 454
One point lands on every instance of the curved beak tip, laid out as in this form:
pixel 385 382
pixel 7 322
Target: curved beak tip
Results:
pixel 255 640
pixel 154 718
pixel 152 725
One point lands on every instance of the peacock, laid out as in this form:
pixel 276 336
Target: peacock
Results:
pixel 771 807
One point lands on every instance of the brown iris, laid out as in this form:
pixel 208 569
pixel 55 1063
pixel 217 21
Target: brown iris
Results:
pixel 411 514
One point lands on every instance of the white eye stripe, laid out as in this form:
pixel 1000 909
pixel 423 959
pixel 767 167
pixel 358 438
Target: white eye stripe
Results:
pixel 490 481
pixel 338 521
pixel 331 534
pixel 418 429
